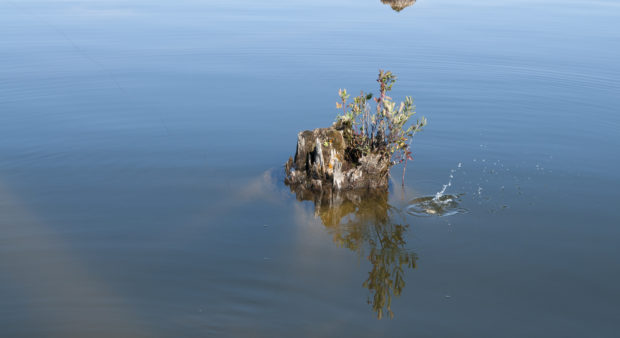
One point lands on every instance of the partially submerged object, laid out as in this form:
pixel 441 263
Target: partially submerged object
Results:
pixel 325 161
pixel 357 151
pixel 440 205
pixel 399 5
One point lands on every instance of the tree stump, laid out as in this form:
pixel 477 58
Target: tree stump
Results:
pixel 325 161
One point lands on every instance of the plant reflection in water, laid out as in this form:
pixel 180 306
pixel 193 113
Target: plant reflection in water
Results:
pixel 366 223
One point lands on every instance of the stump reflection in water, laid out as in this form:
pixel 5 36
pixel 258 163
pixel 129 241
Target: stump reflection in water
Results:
pixel 366 223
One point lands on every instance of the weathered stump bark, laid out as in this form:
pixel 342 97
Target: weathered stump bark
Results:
pixel 399 5
pixel 323 161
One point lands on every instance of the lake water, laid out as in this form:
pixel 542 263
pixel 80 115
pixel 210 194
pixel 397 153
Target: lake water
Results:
pixel 142 146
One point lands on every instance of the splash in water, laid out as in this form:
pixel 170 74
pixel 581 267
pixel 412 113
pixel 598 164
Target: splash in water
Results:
pixel 445 205
pixel 440 193
pixel 438 205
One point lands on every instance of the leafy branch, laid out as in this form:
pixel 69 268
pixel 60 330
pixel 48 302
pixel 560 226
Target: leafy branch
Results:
pixel 387 131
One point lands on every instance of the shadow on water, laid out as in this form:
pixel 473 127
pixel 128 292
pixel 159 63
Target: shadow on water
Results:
pixel 399 5
pixel 364 222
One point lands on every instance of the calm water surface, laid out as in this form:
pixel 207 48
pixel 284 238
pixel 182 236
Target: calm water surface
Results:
pixel 141 153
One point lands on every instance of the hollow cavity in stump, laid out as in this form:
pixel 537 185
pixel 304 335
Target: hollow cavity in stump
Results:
pixel 324 161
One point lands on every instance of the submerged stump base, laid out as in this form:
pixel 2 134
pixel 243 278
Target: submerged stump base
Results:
pixel 325 162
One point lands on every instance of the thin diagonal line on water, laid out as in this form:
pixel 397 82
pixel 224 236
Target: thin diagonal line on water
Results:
pixel 85 55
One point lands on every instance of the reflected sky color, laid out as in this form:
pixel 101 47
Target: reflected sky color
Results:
pixel 141 144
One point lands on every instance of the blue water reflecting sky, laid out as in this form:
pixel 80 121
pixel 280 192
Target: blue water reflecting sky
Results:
pixel 135 137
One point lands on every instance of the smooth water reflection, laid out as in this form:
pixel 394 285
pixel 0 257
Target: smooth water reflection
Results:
pixel 364 222
pixel 132 133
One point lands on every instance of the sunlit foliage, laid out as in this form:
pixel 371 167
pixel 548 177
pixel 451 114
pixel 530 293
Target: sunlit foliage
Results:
pixel 386 131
